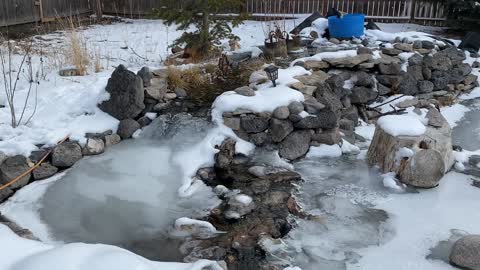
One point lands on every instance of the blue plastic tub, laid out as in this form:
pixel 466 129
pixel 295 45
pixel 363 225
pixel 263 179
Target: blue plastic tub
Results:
pixel 348 26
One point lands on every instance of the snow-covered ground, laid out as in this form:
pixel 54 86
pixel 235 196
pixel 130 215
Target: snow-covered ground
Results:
pixel 67 106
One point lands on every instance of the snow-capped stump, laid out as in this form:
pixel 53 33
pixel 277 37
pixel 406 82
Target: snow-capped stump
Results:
pixel 466 252
pixel 430 145
pixel 13 167
pixel 126 94
pixel 66 154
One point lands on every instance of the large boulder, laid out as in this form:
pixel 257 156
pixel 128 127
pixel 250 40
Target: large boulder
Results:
pixel 66 154
pixel 424 169
pixel 13 167
pixel 295 145
pixel 466 252
pixel 45 170
pixel 126 94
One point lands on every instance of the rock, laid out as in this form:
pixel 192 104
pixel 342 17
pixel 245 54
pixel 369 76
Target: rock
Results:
pixel 313 79
pixel 346 125
pixel 45 170
pixel 351 114
pixel 127 127
pixel 5 193
pixel 476 64
pixel 362 95
pixel 427 73
pixel 316 64
pixel 334 41
pixel 35 156
pixel 440 80
pixel 232 122
pixel 390 69
pixel 295 145
pixel 253 123
pixel 387 59
pixel 281 112
pixel 383 90
pixel 424 169
pixel 416 71
pixel 160 107
pixel 425 86
pixel 330 136
pixel 258 171
pixel 93 147
pixel 407 103
pixel 364 50
pixel 466 252
pixel 391 51
pixel 13 167
pixel 144 121
pixel 258 77
pixel 455 55
pixel 245 91
pixel 389 80
pixel 146 76
pixel 66 154
pixel 417 44
pixel 349 62
pixel 324 119
pixel 403 47
pixel 474 160
pixel 408 85
pixel 112 140
pixel 170 96
pixel 438 62
pixel 297 86
pixel 470 79
pixel 296 107
pixel 206 174
pixel 426 44
pixel 312 105
pixel 126 94
pixel 415 60
pixel 180 92
pixel 69 72
pixel 435 118
pixel 226 154
pixel 364 79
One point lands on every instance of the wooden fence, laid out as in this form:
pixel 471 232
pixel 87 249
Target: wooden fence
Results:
pixel 415 11
pixel 14 12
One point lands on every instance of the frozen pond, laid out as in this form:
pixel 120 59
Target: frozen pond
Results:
pixel 467 133
pixel 128 196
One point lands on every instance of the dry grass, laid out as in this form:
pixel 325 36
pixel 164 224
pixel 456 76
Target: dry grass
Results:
pixel 76 52
pixel 194 77
pixel 97 64
pixel 174 78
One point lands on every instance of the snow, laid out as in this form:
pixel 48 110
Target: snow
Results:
pixel 453 114
pixel 365 130
pixel 244 199
pixel 23 254
pixel 421 220
pixel 324 150
pixel 327 55
pixel 347 148
pixel 401 125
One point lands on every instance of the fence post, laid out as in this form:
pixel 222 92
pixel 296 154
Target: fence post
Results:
pixel 412 8
pixel 98 9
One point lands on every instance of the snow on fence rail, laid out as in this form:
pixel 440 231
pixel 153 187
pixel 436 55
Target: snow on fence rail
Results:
pixel 419 11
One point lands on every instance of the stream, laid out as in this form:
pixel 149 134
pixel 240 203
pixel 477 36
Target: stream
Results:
pixel 128 197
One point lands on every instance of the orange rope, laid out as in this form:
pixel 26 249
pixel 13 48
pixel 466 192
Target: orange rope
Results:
pixel 32 168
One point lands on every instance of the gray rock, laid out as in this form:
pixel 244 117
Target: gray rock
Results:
pixel 476 64
pixel 416 71
pixel 253 123
pixel 312 105
pixel 424 169
pixel 45 170
pixel 407 103
pixel 417 44
pixel 66 154
pixel 391 51
pixel 425 86
pixel 427 73
pixel 408 85
pixel 435 118
pixel 245 91
pixel 387 59
pixel 144 121
pixel 389 80
pixel 334 41
pixel 362 95
pixel 296 107
pixel 93 146
pixel 466 252
pixel 364 79
pixel 403 47
pixel 170 96
pixel 281 112
pixel 390 69
pixel 426 44
pixel 5 193
pixel 324 119
pixel 180 92
pixel 127 127
pixel 383 90
pixel 126 94
pixel 316 64
pixel 232 122
pixel 330 136
pixel 351 114
pixel 226 154
pixel 349 62
pixel 279 129
pixel 160 107
pixel 470 79
pixel 313 79
pixel 146 76
pixel 474 160
pixel 364 50
pixel 415 60
pixel 295 145
pixel 206 174
pixel 112 140
pixel 13 167
pixel 294 118
pixel 455 55
pixel 346 125
pixel 440 80
pixel 69 72
pixel 259 139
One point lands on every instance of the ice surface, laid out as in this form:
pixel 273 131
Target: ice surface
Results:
pixel 467 132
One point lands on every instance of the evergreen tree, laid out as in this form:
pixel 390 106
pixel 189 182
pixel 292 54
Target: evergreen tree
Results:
pixel 463 13
pixel 204 16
